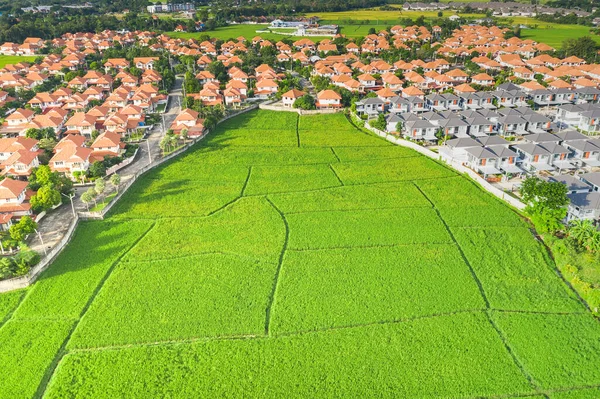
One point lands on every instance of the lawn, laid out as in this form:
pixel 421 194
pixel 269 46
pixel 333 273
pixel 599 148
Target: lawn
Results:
pixel 289 256
pixel 15 59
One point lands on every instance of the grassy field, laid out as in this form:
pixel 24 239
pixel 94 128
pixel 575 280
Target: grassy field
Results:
pixel 357 23
pixel 15 59
pixel 554 34
pixel 296 257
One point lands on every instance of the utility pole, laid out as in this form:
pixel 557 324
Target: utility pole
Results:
pixel 149 153
pixel 42 241
pixel 72 206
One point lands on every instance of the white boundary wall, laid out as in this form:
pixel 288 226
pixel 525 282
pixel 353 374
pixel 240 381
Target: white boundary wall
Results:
pixel 47 259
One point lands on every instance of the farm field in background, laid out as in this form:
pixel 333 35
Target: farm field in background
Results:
pixel 15 59
pixel 357 23
pixel 297 256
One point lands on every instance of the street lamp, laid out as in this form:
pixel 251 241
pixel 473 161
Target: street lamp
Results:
pixel 42 241
pixel 149 153
pixel 71 198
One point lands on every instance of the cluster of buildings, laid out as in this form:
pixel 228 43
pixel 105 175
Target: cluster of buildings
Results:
pixel 496 129
pixel 30 46
pixel 498 9
pixel 91 114
pixel 305 28
pixel 170 7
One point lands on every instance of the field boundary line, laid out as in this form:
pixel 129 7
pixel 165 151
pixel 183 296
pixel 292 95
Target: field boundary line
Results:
pixel 183 341
pixel 211 213
pixel 512 354
pixel 383 208
pixel 335 155
pixel 198 255
pixel 243 337
pixel 544 392
pixel 336 175
pixel 449 243
pixel 517 362
pixel 9 315
pixel 462 254
pixel 41 390
pixel 246 181
pixel 269 308
pixel 297 129
pixel 541 312
pixel 380 322
pixel 549 255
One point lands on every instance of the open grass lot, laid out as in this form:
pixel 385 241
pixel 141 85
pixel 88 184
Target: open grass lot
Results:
pixel 554 34
pixel 15 59
pixel 299 257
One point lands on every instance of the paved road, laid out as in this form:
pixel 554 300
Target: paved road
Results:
pixel 55 224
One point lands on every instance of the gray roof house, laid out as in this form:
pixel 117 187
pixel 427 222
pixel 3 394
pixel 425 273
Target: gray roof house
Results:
pixel 592 179
pixel 574 185
pixel 584 206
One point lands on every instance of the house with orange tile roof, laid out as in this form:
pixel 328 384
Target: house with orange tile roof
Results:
pixel 188 119
pixel 14 197
pixel 289 97
pixel 81 123
pixel 107 144
pixel 328 99
pixel 144 62
pixel 70 156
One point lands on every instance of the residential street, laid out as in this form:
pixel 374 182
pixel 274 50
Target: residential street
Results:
pixel 55 224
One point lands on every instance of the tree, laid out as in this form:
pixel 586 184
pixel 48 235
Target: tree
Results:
pixel 184 135
pixel 43 176
pixel 115 180
pixel 45 198
pixel 545 203
pixel 585 234
pixel 191 84
pixel 165 143
pixel 22 229
pixel 99 186
pixel 91 192
pixel 306 102
pixel 97 169
pixel 583 47
pixel 399 127
pixel 379 123
pixel 87 198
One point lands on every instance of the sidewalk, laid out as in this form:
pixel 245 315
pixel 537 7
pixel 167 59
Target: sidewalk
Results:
pixel 55 224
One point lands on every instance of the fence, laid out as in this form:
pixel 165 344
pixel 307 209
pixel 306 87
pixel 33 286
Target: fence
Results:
pixel 455 165
pixel 29 278
pixel 121 165
pixel 123 189
pixel 24 281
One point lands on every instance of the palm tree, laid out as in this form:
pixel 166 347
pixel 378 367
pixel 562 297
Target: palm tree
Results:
pixel 581 230
pixel 593 243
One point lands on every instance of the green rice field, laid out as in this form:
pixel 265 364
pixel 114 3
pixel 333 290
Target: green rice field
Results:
pixel 290 256
pixel 357 23
pixel 15 59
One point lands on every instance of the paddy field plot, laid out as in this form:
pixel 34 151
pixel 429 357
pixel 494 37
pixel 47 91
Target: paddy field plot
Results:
pixel 295 257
